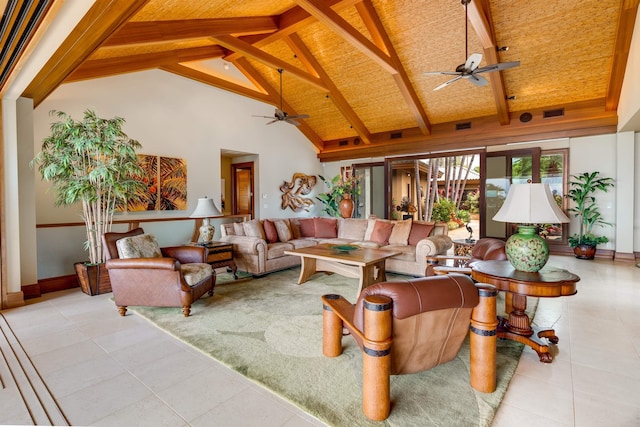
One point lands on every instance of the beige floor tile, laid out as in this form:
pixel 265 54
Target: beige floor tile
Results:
pixel 616 387
pixel 250 408
pixel 598 411
pixel 90 404
pixel 511 416
pixel 149 411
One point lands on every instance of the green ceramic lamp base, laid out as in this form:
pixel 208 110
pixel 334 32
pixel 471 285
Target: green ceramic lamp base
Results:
pixel 526 250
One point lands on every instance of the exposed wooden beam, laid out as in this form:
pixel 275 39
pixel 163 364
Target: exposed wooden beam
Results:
pixel 381 38
pixel 290 22
pixel 145 61
pixel 479 14
pixel 624 32
pixel 163 31
pixel 246 49
pixel 193 74
pixel 96 25
pixel 336 23
pixel 580 119
pixel 248 70
pixel 304 55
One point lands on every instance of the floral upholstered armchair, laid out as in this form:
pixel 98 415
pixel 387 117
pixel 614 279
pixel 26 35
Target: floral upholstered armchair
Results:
pixel 142 273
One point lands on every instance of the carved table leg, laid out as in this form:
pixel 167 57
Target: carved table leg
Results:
pixel 517 327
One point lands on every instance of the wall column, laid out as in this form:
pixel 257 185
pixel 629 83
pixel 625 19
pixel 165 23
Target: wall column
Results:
pixel 625 191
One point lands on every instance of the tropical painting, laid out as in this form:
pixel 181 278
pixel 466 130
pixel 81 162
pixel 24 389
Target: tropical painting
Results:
pixel 165 179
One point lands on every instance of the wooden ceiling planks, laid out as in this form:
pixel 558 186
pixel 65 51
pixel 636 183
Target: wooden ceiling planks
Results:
pixel 356 66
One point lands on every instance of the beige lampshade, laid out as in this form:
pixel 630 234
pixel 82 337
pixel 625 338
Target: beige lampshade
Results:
pixel 205 209
pixel 530 204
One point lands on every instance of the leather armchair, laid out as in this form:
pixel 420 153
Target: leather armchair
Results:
pixel 410 326
pixel 485 249
pixel 160 282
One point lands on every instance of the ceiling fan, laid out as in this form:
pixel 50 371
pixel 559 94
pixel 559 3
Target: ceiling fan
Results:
pixel 470 70
pixel 281 115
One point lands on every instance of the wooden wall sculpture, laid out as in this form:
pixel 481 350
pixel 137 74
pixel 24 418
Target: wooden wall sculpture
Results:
pixel 295 192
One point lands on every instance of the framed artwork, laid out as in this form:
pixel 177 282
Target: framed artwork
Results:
pixel 166 185
pixel 346 172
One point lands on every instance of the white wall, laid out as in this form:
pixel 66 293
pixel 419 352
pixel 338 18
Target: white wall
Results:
pixel 177 117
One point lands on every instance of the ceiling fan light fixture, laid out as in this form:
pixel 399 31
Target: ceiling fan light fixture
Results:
pixel 502 48
pixel 510 98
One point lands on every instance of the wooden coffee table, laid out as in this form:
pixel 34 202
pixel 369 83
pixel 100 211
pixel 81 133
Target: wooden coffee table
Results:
pixel 548 282
pixel 365 264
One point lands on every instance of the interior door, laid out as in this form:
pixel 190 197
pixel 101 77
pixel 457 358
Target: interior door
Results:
pixel 242 202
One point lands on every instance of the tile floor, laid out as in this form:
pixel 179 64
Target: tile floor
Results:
pixel 105 370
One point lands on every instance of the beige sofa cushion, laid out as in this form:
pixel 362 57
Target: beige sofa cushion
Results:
pixel 195 272
pixel 276 250
pixel 238 228
pixel 254 228
pixel 283 230
pixel 400 233
pixel 353 229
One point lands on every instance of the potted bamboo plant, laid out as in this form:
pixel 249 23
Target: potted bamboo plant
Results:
pixel 92 162
pixel 582 189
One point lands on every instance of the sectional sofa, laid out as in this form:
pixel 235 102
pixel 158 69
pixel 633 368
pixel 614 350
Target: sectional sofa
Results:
pixel 259 245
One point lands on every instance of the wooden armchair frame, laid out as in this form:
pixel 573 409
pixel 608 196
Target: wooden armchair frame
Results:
pixel 376 344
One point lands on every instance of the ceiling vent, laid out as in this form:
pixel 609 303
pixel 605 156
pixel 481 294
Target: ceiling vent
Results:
pixel 343 143
pixel 526 117
pixel 558 112
pixel 463 126
pixel 396 135
pixel 356 141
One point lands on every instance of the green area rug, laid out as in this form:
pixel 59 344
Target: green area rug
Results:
pixel 270 330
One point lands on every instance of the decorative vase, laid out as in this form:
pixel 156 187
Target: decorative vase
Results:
pixel 527 251
pixel 585 251
pixel 346 206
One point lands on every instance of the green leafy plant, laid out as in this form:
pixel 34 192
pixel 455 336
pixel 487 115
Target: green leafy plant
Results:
pixel 93 162
pixel 337 188
pixel 582 189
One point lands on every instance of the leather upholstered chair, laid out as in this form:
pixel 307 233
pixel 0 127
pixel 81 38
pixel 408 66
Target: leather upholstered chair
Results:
pixel 172 277
pixel 485 249
pixel 409 326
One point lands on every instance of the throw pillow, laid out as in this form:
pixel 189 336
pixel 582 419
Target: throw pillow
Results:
pixel 307 227
pixel 254 228
pixel 283 230
pixel 371 222
pixel 270 231
pixel 142 246
pixel 400 233
pixel 381 232
pixel 419 232
pixel 352 228
pixel 326 227
pixel 238 227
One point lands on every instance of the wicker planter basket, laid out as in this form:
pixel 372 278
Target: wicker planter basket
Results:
pixel 93 279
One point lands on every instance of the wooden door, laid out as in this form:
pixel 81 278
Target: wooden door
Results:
pixel 242 202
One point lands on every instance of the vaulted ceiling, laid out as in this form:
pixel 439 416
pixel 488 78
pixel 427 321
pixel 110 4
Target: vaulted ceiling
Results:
pixel 357 67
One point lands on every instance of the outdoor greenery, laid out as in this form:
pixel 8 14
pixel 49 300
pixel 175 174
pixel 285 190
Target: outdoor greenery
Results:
pixel 93 162
pixel 445 211
pixel 337 188
pixel 582 189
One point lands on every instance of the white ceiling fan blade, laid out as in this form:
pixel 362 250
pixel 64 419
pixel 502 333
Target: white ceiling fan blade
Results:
pixel 299 116
pixel 477 80
pixel 447 83
pixel 264 117
pixel 473 61
pixel 446 73
pixel 272 121
pixel 292 121
pixel 498 67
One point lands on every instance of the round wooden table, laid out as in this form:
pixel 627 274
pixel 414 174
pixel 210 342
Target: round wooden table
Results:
pixel 548 282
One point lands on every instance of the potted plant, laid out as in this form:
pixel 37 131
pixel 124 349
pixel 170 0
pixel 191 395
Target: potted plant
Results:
pixel 582 189
pixel 339 190
pixel 93 162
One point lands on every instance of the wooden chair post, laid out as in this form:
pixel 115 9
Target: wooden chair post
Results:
pixel 331 330
pixel 482 340
pixel 376 357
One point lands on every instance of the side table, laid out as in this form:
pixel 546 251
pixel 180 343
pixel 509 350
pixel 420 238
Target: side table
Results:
pixel 220 255
pixel 463 247
pixel 548 282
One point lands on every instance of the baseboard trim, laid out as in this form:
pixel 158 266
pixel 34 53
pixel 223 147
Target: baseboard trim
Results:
pixel 51 284
pixel 625 257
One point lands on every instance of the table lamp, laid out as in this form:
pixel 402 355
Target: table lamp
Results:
pixel 206 209
pixel 529 204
